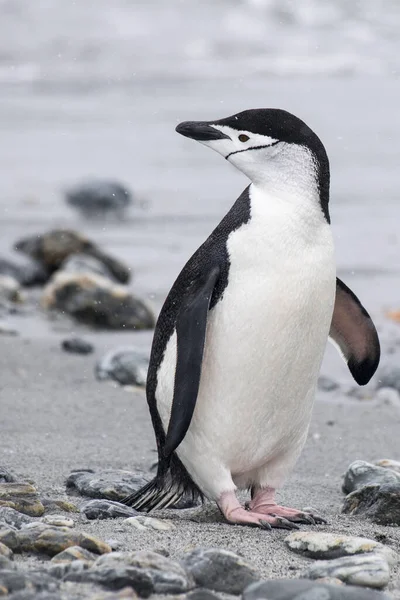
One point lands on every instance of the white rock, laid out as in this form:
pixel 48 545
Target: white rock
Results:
pixel 58 521
pixel 142 523
pixel 370 570
pixel 388 463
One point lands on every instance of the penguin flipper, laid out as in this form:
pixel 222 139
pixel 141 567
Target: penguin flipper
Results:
pixel 191 332
pixel 353 331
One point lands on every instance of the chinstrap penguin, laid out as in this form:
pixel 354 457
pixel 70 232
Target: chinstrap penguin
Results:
pixel 240 339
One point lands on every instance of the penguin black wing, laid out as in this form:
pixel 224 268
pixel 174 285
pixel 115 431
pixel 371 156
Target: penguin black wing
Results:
pixel 191 332
pixel 353 331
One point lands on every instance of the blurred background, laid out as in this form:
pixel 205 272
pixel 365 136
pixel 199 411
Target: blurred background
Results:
pixel 94 89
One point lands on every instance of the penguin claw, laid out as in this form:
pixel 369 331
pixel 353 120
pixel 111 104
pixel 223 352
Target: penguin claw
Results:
pixel 282 523
pixel 265 525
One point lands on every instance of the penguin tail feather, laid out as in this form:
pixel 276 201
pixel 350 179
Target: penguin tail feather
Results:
pixel 165 490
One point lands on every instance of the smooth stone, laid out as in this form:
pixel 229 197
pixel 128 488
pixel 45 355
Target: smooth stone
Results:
pixel 116 579
pixel 10 516
pixel 321 545
pixel 143 523
pixel 96 301
pixel 51 505
pixel 77 345
pixel 361 473
pixel 106 509
pixel 219 570
pixel 125 365
pixel 330 580
pixel 167 576
pixel 304 589
pixel 22 497
pixel 370 570
pixel 50 540
pixel 387 463
pixel 74 553
pixel 28 274
pixel 6 564
pixel 10 289
pixel 380 503
pixel 5 551
pixel 98 198
pixel 126 593
pixel 111 484
pixel 201 594
pixel 58 521
pixel 52 248
pixel 73 568
pixel 84 263
pixel 14 581
pixel 325 384
pixel 5 476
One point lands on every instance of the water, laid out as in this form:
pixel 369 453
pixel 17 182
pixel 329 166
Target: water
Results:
pixel 96 88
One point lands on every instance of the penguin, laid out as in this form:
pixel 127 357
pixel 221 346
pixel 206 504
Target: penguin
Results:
pixel 239 342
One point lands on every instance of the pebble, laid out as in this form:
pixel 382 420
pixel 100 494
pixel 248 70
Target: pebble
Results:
pixel 10 516
pixel 77 345
pixel 14 581
pixel 142 523
pixel 50 540
pixel 325 384
pixel 303 589
pixel 96 301
pixel 51 504
pixel 6 564
pixel 5 476
pixel 114 578
pixel 52 248
pixel 322 545
pixel 219 570
pixel 126 593
pixel 28 274
pixel 388 463
pixel 29 595
pixel 380 503
pixel 58 521
pixel 10 289
pixel 107 509
pixel 201 594
pixel 99 198
pixel 111 484
pixel 370 570
pixel 361 473
pixel 22 497
pixel 83 263
pixel 75 567
pixel 5 551
pixel 126 366
pixel 74 553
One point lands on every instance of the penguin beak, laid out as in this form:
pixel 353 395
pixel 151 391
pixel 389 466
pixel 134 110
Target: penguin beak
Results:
pixel 200 131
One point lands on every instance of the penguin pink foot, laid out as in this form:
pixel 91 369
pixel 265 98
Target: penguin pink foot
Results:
pixel 263 502
pixel 234 513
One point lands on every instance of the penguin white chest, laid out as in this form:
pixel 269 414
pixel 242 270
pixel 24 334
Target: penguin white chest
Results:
pixel 264 343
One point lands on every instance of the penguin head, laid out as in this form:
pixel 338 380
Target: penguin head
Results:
pixel 261 142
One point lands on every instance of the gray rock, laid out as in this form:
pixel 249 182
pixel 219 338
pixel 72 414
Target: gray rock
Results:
pixel 10 289
pixel 6 564
pixel 389 377
pixel 111 484
pixel 22 497
pixel 201 594
pixel 380 503
pixel 10 516
pixel 325 384
pixel 387 463
pixel 84 263
pixel 115 579
pixel 52 248
pixel 5 551
pixel 142 522
pixel 96 301
pixel 28 274
pixel 361 473
pixel 388 396
pixel 77 345
pixel 322 545
pixel 303 589
pixel 14 581
pixel 370 570
pixel 99 198
pixel 167 576
pixel 5 476
pixel 74 568
pixel 42 538
pixel 30 595
pixel 219 570
pixel 107 509
pixel 58 521
pixel 126 366
pixel 72 554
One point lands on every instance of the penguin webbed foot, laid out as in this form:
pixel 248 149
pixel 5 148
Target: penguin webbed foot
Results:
pixel 263 502
pixel 234 513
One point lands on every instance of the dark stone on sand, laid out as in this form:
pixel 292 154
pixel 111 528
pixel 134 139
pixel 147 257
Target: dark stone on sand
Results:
pixel 126 366
pixel 52 248
pixel 380 503
pixel 42 538
pixel 166 575
pixel 219 570
pixel 77 346
pixel 325 384
pixel 303 589
pixel 14 581
pixel 201 594
pixel 116 579
pixel 99 198
pixel 368 570
pixel 107 509
pixel 12 517
pixel 22 497
pixel 72 554
pixel 54 505
pixel 96 301
pixel 5 476
pixel 29 274
pixel 111 484
pixel 73 568
pixel 361 473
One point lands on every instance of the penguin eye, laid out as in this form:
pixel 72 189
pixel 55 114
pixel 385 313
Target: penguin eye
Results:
pixel 243 137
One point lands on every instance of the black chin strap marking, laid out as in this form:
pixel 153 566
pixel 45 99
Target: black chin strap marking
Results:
pixel 252 148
